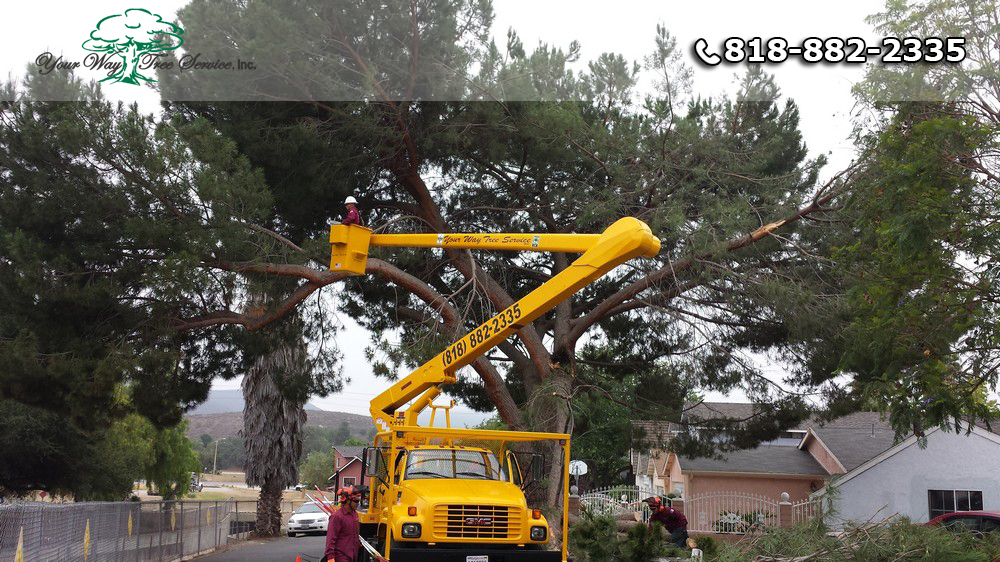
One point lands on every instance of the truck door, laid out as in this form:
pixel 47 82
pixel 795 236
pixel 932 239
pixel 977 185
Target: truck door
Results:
pixel 513 469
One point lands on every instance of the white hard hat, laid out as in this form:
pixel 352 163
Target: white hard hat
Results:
pixel 350 199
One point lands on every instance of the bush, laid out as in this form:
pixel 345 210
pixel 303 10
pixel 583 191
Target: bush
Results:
pixel 596 539
pixel 642 544
pixel 708 545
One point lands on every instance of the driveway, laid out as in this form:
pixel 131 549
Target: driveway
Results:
pixel 285 549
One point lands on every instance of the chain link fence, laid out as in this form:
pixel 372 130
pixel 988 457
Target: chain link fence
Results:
pixel 123 531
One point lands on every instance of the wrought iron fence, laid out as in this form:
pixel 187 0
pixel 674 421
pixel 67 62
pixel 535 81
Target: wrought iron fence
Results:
pixel 729 512
pixel 807 510
pixel 124 531
pixel 615 500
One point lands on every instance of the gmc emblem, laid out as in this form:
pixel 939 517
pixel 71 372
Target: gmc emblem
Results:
pixel 478 522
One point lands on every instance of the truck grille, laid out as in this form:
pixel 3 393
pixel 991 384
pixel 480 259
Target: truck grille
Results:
pixel 477 522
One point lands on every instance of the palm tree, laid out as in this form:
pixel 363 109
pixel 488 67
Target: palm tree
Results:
pixel 272 424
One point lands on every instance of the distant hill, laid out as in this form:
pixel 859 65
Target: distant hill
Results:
pixel 223 401
pixel 228 424
pixel 222 416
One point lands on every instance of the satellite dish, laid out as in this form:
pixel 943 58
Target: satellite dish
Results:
pixel 577 468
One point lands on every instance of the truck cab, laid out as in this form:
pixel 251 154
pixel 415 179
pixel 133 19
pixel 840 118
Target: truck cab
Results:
pixel 455 502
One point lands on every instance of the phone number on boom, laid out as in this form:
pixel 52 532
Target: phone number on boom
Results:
pixel 852 50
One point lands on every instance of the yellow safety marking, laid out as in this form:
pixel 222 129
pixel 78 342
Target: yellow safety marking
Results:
pixel 19 556
pixel 130 523
pixel 173 519
pixel 208 516
pixel 86 542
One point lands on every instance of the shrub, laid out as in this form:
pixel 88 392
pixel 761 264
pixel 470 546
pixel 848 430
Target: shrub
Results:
pixel 708 545
pixel 594 538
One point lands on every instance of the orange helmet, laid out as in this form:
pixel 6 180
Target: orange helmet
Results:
pixel 653 501
pixel 352 493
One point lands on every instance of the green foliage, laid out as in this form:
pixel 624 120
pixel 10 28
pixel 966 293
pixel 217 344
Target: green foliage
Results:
pixel 173 461
pixel 44 450
pixel 229 455
pixel 918 308
pixel 316 469
pixel 898 541
pixel 643 543
pixel 709 546
pixel 926 341
pixel 609 398
pixel 596 539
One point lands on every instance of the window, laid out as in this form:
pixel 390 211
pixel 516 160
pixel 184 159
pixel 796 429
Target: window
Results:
pixel 950 501
pixel 991 525
pixel 348 481
pixel 447 463
pixel 339 460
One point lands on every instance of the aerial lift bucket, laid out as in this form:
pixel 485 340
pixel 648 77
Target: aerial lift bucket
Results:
pixel 349 252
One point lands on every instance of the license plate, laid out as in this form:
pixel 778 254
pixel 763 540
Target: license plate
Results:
pixel 478 558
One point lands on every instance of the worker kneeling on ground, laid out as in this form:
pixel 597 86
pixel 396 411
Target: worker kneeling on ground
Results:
pixel 673 521
pixel 342 539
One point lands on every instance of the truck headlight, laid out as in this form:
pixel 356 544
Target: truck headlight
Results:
pixel 412 530
pixel 539 533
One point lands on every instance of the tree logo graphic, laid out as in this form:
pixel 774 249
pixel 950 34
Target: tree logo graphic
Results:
pixel 131 35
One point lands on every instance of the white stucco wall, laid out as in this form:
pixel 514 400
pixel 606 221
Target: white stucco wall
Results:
pixel 900 482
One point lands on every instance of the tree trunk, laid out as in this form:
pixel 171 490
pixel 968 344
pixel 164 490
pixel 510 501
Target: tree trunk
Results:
pixel 549 411
pixel 269 510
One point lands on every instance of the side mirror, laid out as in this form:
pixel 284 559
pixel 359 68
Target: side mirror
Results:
pixel 537 467
pixel 370 460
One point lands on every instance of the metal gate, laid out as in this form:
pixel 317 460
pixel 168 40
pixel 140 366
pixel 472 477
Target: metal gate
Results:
pixel 616 500
pixel 729 512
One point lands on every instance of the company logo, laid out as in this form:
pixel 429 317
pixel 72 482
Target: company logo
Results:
pixel 478 522
pixel 131 36
pixel 124 45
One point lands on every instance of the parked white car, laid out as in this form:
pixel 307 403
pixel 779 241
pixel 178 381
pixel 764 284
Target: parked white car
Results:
pixel 308 519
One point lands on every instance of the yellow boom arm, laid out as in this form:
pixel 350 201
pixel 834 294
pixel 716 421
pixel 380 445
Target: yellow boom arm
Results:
pixel 625 239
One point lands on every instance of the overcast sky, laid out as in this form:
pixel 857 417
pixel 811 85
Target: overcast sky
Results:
pixel 822 91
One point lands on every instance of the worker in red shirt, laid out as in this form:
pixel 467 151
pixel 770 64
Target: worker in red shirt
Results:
pixel 353 216
pixel 342 538
pixel 673 521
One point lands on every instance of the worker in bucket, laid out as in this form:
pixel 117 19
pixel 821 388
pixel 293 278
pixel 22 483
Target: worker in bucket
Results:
pixel 342 539
pixel 673 521
pixel 352 216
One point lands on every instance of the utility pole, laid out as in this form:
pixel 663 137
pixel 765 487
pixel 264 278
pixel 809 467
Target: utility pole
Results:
pixel 215 459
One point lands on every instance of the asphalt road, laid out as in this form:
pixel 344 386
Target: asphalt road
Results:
pixel 310 549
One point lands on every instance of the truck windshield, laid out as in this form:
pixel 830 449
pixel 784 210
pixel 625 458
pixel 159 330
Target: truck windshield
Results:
pixel 447 463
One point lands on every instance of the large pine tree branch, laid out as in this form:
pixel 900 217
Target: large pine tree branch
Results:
pixel 496 389
pixel 258 318
pixel 615 302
